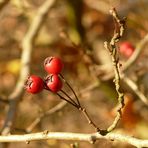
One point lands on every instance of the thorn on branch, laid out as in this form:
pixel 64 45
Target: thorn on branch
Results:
pixel 93 139
pixel 27 142
pixel 45 132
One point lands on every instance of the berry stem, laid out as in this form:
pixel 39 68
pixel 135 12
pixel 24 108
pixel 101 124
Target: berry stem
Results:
pixel 78 105
pixel 45 87
pixel 71 89
pixel 61 97
pixel 72 102
pixel 80 108
pixel 70 98
pixel 86 115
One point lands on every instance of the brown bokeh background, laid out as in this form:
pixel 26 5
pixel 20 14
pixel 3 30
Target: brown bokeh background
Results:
pixel 88 24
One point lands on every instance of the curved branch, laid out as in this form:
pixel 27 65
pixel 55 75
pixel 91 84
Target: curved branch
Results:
pixel 75 137
pixel 111 47
pixel 27 47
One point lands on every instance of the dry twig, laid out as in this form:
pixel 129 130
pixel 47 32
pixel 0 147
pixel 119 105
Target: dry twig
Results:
pixel 140 46
pixel 111 47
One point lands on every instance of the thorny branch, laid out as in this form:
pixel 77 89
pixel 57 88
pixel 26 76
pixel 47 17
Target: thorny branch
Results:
pixel 27 47
pixel 140 46
pixel 111 47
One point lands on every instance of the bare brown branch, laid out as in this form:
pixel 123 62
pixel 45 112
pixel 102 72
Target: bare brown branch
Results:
pixel 111 47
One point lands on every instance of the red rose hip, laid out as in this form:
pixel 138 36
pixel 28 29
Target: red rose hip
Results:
pixel 126 48
pixel 34 84
pixel 54 83
pixel 53 65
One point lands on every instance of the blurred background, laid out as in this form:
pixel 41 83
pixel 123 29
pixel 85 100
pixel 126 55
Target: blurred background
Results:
pixel 75 31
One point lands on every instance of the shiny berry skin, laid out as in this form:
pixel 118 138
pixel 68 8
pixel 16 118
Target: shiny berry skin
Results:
pixel 34 84
pixel 126 48
pixel 53 65
pixel 54 83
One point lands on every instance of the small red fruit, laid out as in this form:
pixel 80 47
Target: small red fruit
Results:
pixel 54 83
pixel 126 48
pixel 53 65
pixel 34 84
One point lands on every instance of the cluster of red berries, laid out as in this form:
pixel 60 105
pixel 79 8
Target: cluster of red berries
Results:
pixel 53 82
pixel 126 49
